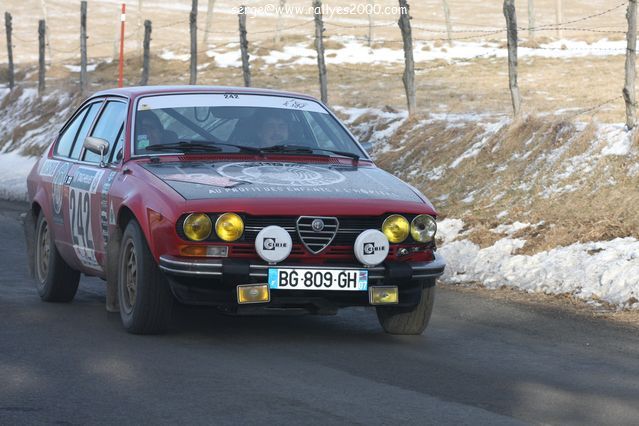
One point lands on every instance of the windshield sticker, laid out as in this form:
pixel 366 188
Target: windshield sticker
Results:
pixel 227 99
pixel 203 179
pixel 142 142
pixel 281 174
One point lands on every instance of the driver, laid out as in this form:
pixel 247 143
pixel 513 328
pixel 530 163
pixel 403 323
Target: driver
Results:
pixel 272 129
pixel 150 129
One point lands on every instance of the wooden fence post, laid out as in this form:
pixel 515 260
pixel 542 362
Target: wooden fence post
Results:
pixel 193 28
pixel 280 23
pixel 45 15
pixel 246 70
pixel 209 21
pixel 83 46
pixel 139 29
pixel 371 10
pixel 629 94
pixel 449 25
pixel 409 68
pixel 9 27
pixel 319 46
pixel 41 63
pixel 531 20
pixel 511 23
pixel 145 56
pixel 559 17
pixel 121 51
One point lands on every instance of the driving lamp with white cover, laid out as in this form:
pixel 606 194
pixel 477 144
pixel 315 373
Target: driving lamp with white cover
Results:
pixel 371 247
pixel 197 226
pixel 396 228
pixel 423 228
pixel 273 244
pixel 229 227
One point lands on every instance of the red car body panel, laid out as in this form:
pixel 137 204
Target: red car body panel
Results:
pixel 129 188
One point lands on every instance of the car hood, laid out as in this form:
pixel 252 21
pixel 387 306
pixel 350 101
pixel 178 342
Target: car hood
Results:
pixel 270 179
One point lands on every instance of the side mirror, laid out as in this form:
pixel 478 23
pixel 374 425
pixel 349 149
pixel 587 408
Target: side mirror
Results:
pixel 97 146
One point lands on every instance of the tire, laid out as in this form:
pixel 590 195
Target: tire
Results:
pixel 56 281
pixel 396 320
pixel 145 299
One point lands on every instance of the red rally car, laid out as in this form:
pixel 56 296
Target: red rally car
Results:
pixel 249 200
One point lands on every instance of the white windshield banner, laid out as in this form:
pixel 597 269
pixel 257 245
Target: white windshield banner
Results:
pixel 228 100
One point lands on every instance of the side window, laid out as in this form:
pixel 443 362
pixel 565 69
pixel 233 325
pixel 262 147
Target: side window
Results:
pixel 84 129
pixel 108 128
pixel 65 142
pixel 116 153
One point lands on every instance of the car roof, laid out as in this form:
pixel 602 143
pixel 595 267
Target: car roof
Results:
pixel 136 91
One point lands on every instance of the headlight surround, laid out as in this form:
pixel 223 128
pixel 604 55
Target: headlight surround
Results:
pixel 396 228
pixel 229 227
pixel 197 226
pixel 423 228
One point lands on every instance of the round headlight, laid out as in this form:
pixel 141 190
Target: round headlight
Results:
pixel 396 228
pixel 229 227
pixel 197 226
pixel 423 228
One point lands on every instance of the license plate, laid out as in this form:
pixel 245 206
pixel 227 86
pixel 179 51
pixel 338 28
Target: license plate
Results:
pixel 318 279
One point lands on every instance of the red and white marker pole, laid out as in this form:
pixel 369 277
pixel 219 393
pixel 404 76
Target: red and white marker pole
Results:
pixel 121 63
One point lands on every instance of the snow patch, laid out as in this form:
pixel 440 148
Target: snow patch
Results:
pixel 606 270
pixel 14 169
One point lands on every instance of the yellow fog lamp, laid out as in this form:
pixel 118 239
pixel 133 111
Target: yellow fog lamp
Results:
pixel 396 228
pixel 423 228
pixel 197 226
pixel 383 295
pixel 229 227
pixel 253 293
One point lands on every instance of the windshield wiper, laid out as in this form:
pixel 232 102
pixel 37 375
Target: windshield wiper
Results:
pixel 184 147
pixel 307 150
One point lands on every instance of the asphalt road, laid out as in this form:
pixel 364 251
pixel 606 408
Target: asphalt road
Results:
pixel 481 361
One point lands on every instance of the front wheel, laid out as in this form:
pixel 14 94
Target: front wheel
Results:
pixel 56 281
pixel 143 291
pixel 398 320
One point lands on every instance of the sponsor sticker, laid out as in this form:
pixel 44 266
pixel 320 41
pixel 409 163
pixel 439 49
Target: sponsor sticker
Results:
pixel 48 168
pixel 85 183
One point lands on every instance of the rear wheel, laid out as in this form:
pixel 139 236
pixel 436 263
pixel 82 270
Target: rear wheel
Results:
pixel 143 291
pixel 398 320
pixel 56 281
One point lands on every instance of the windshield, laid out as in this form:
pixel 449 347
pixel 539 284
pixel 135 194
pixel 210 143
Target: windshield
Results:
pixel 231 122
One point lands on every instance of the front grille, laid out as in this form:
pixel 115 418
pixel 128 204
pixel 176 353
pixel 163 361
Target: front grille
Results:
pixel 317 239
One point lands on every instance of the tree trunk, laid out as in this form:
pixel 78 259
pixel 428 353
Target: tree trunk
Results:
pixel 209 22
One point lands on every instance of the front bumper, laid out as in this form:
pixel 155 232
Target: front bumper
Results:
pixel 220 267
pixel 213 282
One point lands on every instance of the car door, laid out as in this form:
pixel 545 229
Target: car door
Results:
pixel 59 168
pixel 89 187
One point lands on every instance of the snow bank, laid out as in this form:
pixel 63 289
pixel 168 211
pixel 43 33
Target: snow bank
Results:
pixel 14 169
pixel 356 51
pixel 607 270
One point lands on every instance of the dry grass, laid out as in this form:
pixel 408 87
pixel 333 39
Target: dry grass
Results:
pixel 515 171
